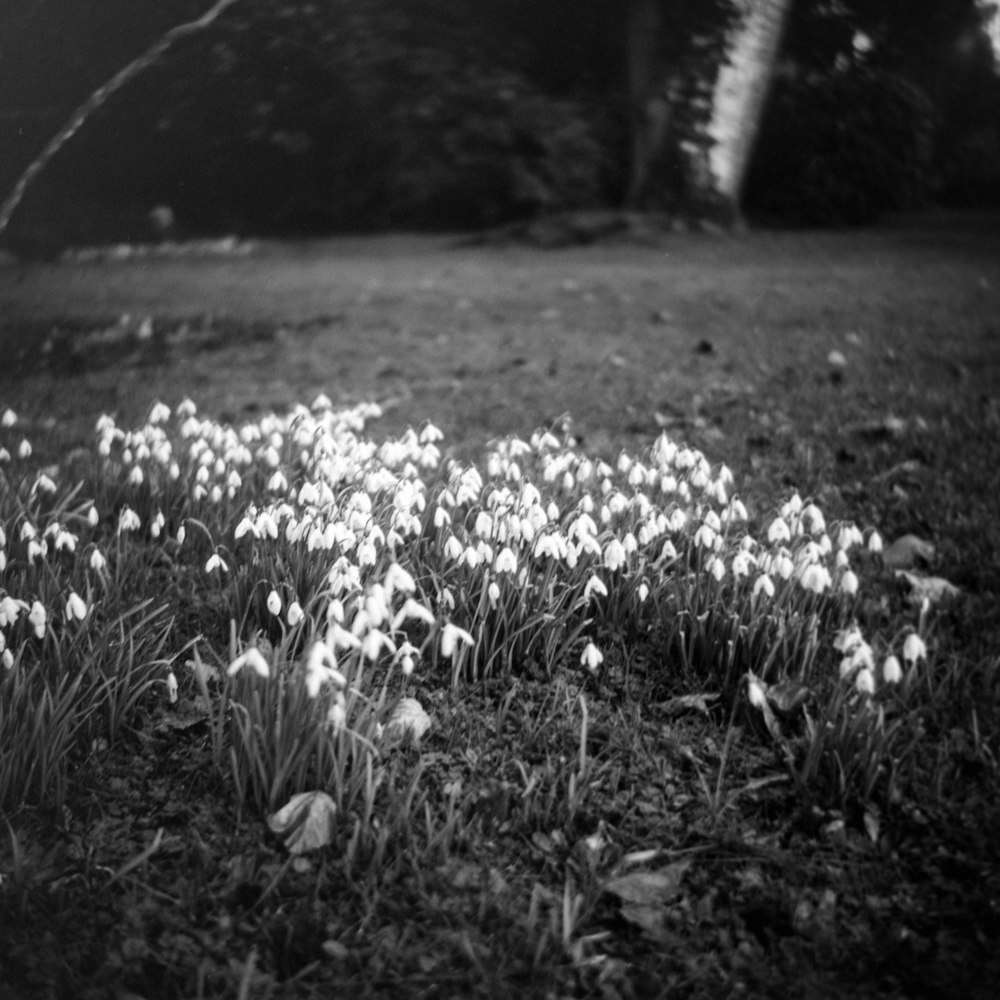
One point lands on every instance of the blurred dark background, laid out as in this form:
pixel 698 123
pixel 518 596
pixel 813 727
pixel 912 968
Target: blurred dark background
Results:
pixel 292 118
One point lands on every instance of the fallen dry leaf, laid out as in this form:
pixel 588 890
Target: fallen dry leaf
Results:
pixel 649 888
pixel 907 551
pixel 935 589
pixel 305 821
pixel 408 720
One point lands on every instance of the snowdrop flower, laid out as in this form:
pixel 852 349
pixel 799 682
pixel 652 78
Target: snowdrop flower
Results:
pixel 406 655
pixel 643 591
pixel 493 593
pixel 76 608
pixel 295 614
pixel 595 585
pixel 814 516
pixel 215 562
pixel 321 668
pixel 756 691
pixel 865 682
pixel 336 715
pixel 252 658
pixel 172 687
pixel 43 484
pixel 892 672
pixel 24 449
pixel 592 657
pixel 849 582
pixel 614 555
pixel 274 603
pixel 37 618
pixel 128 520
pixel 97 561
pixel 742 562
pixel 337 637
pixel 874 542
pixel 10 608
pixel 397 578
pixel 717 568
pixel 914 649
pixel 778 531
pixel 815 578
pixel 506 561
pixel 374 642
pixel 9 418
pixel 451 636
pixel 763 584
pixel 8 659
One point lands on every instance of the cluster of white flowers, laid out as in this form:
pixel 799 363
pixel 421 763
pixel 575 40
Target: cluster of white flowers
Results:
pixel 858 664
pixel 539 517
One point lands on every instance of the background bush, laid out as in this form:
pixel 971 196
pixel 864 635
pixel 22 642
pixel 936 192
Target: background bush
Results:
pixel 843 148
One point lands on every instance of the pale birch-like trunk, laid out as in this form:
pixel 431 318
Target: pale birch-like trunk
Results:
pixel 740 95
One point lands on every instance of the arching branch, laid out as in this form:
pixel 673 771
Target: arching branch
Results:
pixel 96 99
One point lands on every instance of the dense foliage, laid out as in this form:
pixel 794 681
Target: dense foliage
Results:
pixel 844 148
pixel 375 114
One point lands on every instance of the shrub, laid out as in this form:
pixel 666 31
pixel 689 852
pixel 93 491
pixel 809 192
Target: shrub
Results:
pixel 842 148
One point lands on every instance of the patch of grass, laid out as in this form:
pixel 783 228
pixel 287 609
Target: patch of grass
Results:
pixel 646 773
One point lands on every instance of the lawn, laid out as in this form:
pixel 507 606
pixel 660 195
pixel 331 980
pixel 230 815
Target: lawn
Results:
pixel 656 588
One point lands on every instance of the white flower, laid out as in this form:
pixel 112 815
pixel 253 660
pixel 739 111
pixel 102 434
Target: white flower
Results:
pixel 274 603
pixel 406 656
pixel 717 568
pixel 128 520
pixel 397 578
pixel 374 642
pixel 742 562
pixel 704 537
pixel 336 715
pixel 451 635
pixel 97 561
pixel 756 691
pixel 815 578
pixel 778 531
pixel 892 672
pixel 865 681
pixel 592 657
pixel 9 418
pixel 8 659
pixel 914 649
pixel 321 668
pixel 252 658
pixel 215 562
pixel 10 608
pixel 172 687
pixel 814 516
pixel 506 561
pixel 37 618
pixel 763 584
pixel 849 582
pixel 295 614
pixel 874 542
pixel 76 607
pixel 643 591
pixel 615 555
pixel 24 449
pixel 595 585
pixel 493 593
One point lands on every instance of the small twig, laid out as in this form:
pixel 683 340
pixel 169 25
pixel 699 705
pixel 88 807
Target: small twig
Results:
pixel 139 859
pixel 96 99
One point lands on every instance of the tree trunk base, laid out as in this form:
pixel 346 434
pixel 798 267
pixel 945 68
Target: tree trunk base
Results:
pixel 594 226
